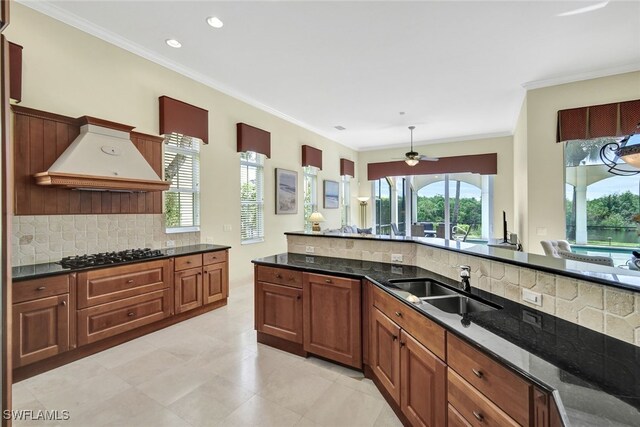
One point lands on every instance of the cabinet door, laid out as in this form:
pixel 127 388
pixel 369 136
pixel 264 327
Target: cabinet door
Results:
pixel 188 290
pixel 40 329
pixel 423 382
pixel 384 358
pixel 279 311
pixel 332 322
pixel 215 282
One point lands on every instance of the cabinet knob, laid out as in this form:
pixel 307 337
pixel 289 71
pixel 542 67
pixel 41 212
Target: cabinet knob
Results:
pixel 477 373
pixel 205 272
pixel 395 337
pixel 478 416
pixel 130 281
pixel 63 303
pixel 327 280
pixel 298 297
pixel 199 273
pixel 398 314
pixel 41 288
pixel 278 276
pixel 131 314
pixel 188 262
pixel 402 343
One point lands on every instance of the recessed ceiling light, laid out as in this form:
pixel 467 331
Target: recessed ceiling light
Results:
pixel 401 113
pixel 173 43
pixel 215 22
pixel 340 127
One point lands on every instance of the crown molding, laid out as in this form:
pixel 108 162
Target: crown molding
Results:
pixel 47 8
pixel 588 75
pixel 440 141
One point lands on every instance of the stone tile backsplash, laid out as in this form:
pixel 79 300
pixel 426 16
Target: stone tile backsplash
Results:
pixel 47 238
pixel 611 311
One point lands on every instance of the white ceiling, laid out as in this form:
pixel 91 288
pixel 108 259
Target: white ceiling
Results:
pixel 456 68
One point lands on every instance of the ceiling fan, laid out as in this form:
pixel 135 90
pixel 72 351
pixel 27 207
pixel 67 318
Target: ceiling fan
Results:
pixel 412 158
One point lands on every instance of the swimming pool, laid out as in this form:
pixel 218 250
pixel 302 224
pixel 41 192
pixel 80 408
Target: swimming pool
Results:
pixel 619 255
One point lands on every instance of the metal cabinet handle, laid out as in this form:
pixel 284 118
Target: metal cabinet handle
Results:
pixel 478 416
pixel 398 314
pixel 395 337
pixel 130 281
pixel 327 280
pixel 130 314
pixel 402 343
pixel 298 297
pixel 63 303
pixel 278 276
pixel 41 288
pixel 477 373
pixel 199 273
pixel 205 272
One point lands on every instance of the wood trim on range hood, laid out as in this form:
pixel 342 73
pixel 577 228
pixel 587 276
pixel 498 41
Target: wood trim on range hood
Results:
pixel 98 183
pixel 102 158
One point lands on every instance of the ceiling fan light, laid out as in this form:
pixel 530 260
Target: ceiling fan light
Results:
pixel 630 153
pixel 411 162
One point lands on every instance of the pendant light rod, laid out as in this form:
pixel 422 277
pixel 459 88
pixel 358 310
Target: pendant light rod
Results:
pixel 411 128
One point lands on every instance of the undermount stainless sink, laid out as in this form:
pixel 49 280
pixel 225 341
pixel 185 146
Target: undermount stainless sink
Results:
pixel 423 288
pixel 445 298
pixel 461 305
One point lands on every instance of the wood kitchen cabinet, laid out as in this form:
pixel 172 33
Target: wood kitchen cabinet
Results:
pixel 40 329
pixel 279 311
pixel 412 375
pixel 188 289
pixel 332 318
pixel 215 277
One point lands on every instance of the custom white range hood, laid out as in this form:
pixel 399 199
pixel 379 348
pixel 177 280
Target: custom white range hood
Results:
pixel 102 158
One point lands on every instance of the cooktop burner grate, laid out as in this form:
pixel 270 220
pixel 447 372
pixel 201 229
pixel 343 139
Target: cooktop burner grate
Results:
pixel 108 258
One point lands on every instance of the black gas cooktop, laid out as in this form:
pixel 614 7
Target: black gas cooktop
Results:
pixel 108 258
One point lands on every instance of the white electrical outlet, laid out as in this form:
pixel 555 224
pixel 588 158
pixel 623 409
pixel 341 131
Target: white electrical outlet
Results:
pixel 532 297
pixel 396 257
pixel 171 243
pixel 309 249
pixel 226 227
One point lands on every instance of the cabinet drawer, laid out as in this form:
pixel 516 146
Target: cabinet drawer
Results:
pixel 454 419
pixel 40 288
pixel 214 257
pixel 106 320
pixel 473 406
pixel 424 330
pixel 281 276
pixel 498 383
pixel 186 262
pixel 110 284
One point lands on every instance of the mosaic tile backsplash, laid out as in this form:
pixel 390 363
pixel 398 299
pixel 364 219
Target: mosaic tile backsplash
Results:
pixel 47 238
pixel 604 309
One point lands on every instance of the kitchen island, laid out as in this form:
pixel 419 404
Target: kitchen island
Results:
pixel 569 374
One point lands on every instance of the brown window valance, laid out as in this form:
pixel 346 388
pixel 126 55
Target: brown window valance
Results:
pixel 311 156
pixel 186 119
pixel 251 138
pixel 484 164
pixel 347 167
pixel 597 121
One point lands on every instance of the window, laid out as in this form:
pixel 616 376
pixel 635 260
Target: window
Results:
pixel 463 195
pixel 382 206
pixel 599 206
pixel 345 205
pixel 251 197
pixel 310 194
pixel 182 170
pixel 401 209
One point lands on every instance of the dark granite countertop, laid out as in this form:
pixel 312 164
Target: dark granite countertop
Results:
pixel 611 276
pixel 594 378
pixel 35 271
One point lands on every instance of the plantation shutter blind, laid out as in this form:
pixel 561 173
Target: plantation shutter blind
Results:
pixel 252 190
pixel 182 170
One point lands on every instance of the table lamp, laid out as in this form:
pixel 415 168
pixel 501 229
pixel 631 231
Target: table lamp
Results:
pixel 316 218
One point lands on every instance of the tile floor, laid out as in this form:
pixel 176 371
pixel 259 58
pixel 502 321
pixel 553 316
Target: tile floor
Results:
pixel 206 371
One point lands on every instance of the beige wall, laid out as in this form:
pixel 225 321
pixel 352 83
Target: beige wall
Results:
pixel 520 176
pixel 503 182
pixel 545 161
pixel 70 72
